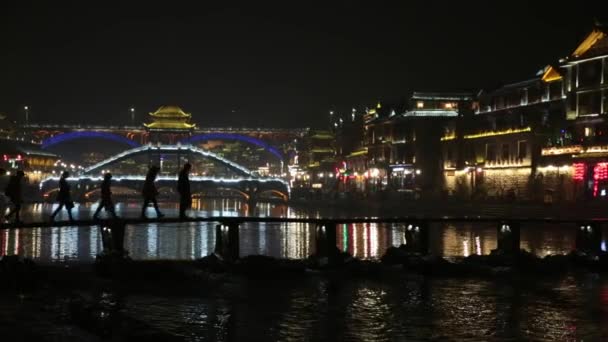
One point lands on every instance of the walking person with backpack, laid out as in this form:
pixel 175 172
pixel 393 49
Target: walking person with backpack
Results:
pixel 106 197
pixel 64 197
pixel 149 192
pixel 183 187
pixel 14 192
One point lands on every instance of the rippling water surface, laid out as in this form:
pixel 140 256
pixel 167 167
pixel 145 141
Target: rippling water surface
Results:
pixel 392 308
pixel 294 240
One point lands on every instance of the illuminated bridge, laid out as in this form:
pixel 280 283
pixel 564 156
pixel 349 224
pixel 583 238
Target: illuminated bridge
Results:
pixel 270 139
pixel 243 183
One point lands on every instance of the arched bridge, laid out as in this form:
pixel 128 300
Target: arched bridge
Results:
pixel 172 149
pixel 267 139
pixel 248 185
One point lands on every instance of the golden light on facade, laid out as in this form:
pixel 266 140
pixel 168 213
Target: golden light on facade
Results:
pixel 554 151
pixel 496 133
pixel 551 75
pixel 452 136
pixel 589 41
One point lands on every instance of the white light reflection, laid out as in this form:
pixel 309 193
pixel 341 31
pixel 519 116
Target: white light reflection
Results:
pixel 152 240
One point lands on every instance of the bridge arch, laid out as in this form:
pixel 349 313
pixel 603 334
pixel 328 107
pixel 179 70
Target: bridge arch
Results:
pixel 241 193
pixel 168 148
pixel 233 136
pixel 63 137
pixel 280 194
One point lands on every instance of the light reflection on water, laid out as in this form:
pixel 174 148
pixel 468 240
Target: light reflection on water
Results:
pixel 400 309
pixel 294 240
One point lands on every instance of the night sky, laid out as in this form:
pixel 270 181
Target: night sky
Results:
pixel 281 64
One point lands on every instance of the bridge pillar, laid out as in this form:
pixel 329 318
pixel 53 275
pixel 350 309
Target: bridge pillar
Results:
pixel 113 237
pixel 589 238
pixel 227 240
pixel 417 237
pixel 508 237
pixel 325 240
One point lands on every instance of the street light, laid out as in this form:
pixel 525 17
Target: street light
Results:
pixel 132 109
pixel 27 114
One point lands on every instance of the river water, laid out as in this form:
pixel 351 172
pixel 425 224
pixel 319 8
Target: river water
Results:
pixel 317 308
pixel 195 240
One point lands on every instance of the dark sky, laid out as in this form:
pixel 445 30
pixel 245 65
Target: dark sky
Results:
pixel 268 63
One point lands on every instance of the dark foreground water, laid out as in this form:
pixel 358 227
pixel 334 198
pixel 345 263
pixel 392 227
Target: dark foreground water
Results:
pixel 393 307
pixel 326 308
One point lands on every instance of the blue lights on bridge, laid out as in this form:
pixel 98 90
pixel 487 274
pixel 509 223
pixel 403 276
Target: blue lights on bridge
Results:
pixel 60 138
pixel 231 136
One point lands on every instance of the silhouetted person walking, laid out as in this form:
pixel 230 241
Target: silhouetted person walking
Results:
pixel 64 197
pixel 4 200
pixel 183 187
pixel 106 197
pixel 149 192
pixel 14 192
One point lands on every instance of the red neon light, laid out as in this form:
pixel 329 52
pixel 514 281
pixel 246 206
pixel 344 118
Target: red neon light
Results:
pixel 5 157
pixel 600 172
pixel 579 171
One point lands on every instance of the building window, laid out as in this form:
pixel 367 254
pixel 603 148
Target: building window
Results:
pixel 588 131
pixel 590 73
pixel 505 151
pixel 555 90
pixel 522 149
pixel 420 104
pixel 490 152
pixel 589 103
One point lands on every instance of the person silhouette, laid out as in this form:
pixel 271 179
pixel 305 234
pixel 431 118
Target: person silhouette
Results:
pixel 183 187
pixel 64 197
pixel 14 192
pixel 4 200
pixel 150 192
pixel 106 197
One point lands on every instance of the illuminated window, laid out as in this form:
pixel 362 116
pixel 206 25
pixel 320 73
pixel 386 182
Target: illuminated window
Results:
pixel 420 104
pixel 449 105
pixel 587 131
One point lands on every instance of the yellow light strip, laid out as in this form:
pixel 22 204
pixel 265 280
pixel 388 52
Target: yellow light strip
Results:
pixel 492 134
pixel 553 151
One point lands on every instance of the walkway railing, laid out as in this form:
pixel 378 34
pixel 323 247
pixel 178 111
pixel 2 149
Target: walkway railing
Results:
pixel 416 231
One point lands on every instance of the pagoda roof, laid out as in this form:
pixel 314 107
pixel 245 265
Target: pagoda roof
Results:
pixel 170 118
pixel 173 112
pixel 169 125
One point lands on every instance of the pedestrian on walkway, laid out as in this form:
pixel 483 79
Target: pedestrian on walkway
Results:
pixel 183 187
pixel 150 192
pixel 14 192
pixel 64 197
pixel 4 200
pixel 106 197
